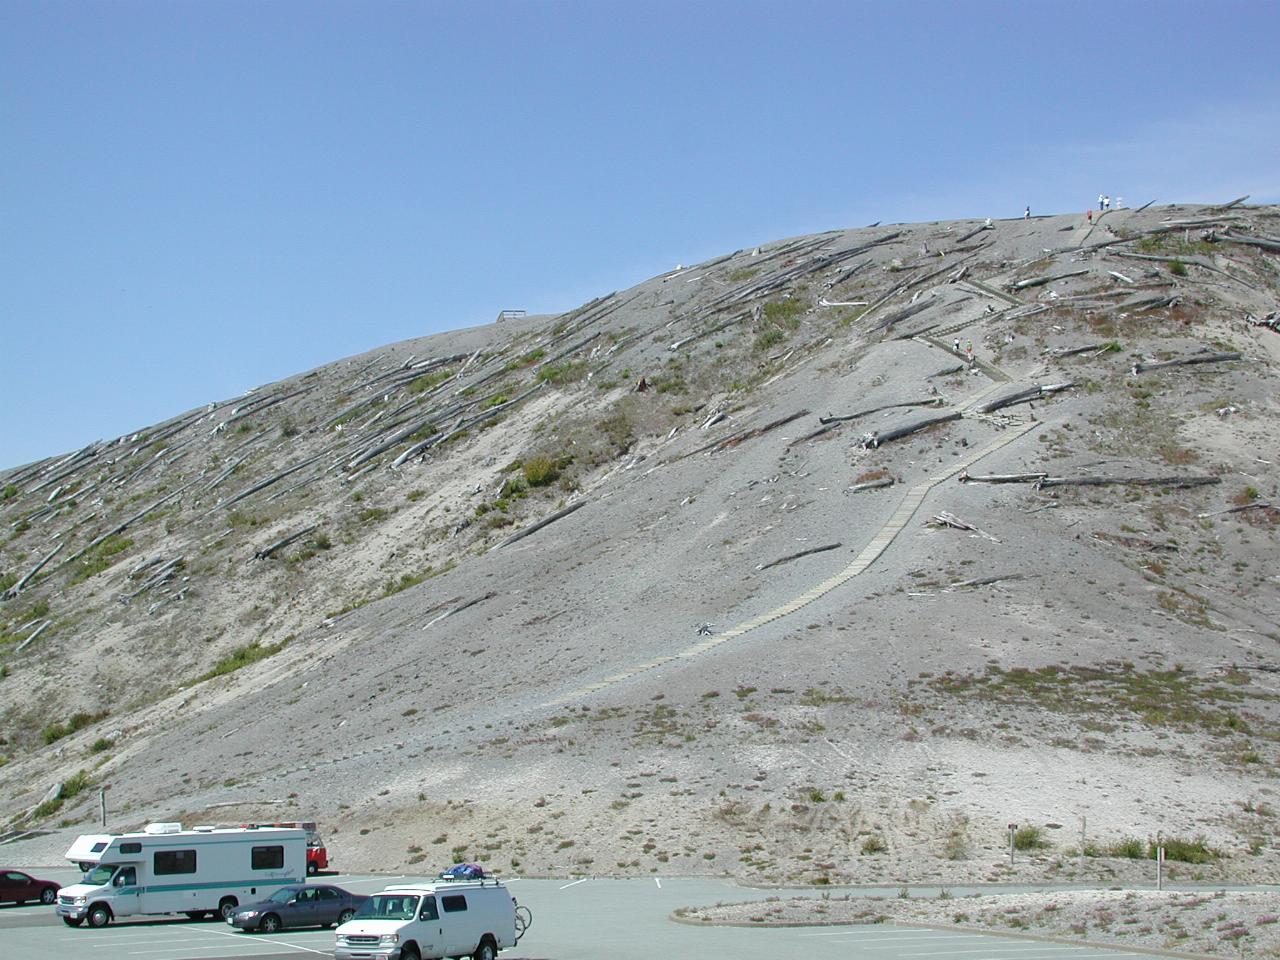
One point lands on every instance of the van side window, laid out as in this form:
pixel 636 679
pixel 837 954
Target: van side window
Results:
pixel 98 847
pixel 429 911
pixel 454 903
pixel 174 861
pixel 266 858
pixel 130 848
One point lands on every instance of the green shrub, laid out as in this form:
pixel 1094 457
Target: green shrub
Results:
pixel 540 471
pixel 371 515
pixel 75 785
pixel 99 558
pixel 559 374
pixel 10 491
pixel 874 844
pixel 429 380
pixel 77 721
pixel 1185 851
pixel 242 657
pixel 784 311
pixel 1029 838
pixel 768 338
pixel 1178 268
pixel 1130 848
pixel 47 809
pixel 8 580
pixel 101 744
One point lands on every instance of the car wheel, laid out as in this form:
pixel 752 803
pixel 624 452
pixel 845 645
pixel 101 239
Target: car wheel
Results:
pixel 410 952
pixel 227 906
pixel 312 869
pixel 73 921
pixel 99 916
pixel 345 915
pixel 48 895
pixel 485 951
pixel 269 924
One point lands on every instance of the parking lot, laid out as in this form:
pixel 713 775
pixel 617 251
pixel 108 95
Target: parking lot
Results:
pixel 573 920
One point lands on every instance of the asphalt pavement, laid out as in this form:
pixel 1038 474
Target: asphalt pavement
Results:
pixel 572 920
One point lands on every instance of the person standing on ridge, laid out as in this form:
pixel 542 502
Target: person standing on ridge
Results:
pixel 1026 214
pixel 1106 203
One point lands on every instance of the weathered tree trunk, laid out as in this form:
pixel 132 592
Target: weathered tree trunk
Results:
pixel 1024 396
pixel 925 402
pixel 1127 481
pixel 874 439
pixel 280 544
pixel 535 527
pixel 17 587
pixel 1138 368
pixel 796 556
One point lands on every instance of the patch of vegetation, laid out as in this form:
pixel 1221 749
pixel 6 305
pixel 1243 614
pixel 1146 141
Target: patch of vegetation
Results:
pixel 497 400
pixel 769 337
pixel 101 745
pixel 99 558
pixel 784 312
pixel 428 380
pixel 540 471
pixel 742 274
pixel 408 580
pixel 242 656
pixel 560 374
pixel 372 515
pixel 238 518
pixel 413 496
pixel 1169 698
pixel 1029 838
pixel 1177 268
pixel 77 721
pixel 9 492
pixel 874 844
pixel 7 581
pixel 528 360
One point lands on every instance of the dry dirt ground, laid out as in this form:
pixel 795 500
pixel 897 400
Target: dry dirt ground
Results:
pixel 633 689
pixel 1216 923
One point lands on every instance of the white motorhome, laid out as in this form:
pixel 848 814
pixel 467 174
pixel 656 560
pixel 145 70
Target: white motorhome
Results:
pixel 442 918
pixel 166 869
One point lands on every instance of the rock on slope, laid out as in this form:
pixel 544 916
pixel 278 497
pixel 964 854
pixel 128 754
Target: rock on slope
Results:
pixel 633 687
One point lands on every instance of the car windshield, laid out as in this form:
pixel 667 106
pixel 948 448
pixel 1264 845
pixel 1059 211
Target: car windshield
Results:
pixel 283 895
pixel 101 874
pixel 389 906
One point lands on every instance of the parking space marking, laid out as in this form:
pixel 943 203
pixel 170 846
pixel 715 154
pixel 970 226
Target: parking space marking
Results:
pixel 257 940
pixel 574 883
pixel 1014 948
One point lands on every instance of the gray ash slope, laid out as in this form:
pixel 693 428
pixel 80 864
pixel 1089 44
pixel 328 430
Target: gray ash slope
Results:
pixel 552 705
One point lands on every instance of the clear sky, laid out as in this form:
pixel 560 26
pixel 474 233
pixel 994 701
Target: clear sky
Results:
pixel 200 197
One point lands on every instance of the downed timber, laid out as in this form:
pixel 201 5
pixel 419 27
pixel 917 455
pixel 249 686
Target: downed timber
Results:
pixel 459 607
pixel 1024 396
pixel 1187 261
pixel 874 439
pixel 926 402
pixel 263 484
pixel 161 576
pixel 1264 243
pixel 1271 321
pixel 1127 481
pixel 165 601
pixel 1134 543
pixel 545 521
pixel 1041 281
pixel 945 519
pixel 34 633
pixel 1256 505
pixel 1061 352
pixel 870 485
pixel 1233 203
pixel 692 338
pixel 225 473
pixel 966 477
pixel 903 313
pixel 985 581
pixel 283 542
pixel 738 438
pixel 796 556
pixel 17 587
pixel 1144 206
pixel 120 527
pixel 1138 368
pixel 947 371
pixel 1119 276
pixel 975 231
pixel 464 425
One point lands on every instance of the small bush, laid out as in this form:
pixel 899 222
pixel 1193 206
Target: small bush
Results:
pixel 99 558
pixel 101 744
pixel 874 844
pixel 768 338
pixel 1130 848
pixel 1178 268
pixel 1185 851
pixel 559 374
pixel 47 809
pixel 77 721
pixel 1029 838
pixel 75 785
pixel 242 657
pixel 10 491
pixel 540 471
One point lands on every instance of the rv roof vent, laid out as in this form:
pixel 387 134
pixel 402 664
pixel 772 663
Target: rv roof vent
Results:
pixel 205 828
pixel 163 828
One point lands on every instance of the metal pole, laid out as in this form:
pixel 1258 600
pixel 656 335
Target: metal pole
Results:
pixel 1159 860
pixel 102 803
pixel 1012 829
pixel 1082 825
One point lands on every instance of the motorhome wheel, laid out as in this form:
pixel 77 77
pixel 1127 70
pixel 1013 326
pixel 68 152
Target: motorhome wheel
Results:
pixel 99 916
pixel 227 906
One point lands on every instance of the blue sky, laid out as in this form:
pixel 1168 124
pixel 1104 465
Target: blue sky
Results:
pixel 200 197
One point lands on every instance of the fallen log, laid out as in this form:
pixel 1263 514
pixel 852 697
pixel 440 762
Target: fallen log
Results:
pixel 458 608
pixel 1138 368
pixel 17 587
pixel 870 485
pixel 462 426
pixel 926 402
pixel 874 439
pixel 1127 481
pixel 164 602
pixel 34 633
pixel 1062 352
pixel 738 438
pixel 945 519
pixel 120 527
pixel 263 484
pixel 535 527
pixel 967 477
pixel 985 581
pixel 1234 203
pixel 1024 396
pixel 1271 321
pixel 1264 243
pixel 975 231
pixel 161 576
pixel 947 371
pixel 692 338
pixel 1120 276
pixel 1041 281
pixel 796 556
pixel 283 542
pixel 1256 505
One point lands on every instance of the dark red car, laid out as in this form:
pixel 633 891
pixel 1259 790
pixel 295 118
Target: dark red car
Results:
pixel 19 887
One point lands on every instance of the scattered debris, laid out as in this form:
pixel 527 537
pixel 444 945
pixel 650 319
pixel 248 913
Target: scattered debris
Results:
pixel 796 556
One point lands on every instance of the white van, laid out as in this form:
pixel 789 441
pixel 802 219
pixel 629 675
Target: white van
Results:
pixel 166 869
pixel 441 918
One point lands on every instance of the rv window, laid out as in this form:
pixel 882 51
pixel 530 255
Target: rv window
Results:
pixel 100 874
pixel 98 847
pixel 130 848
pixel 174 861
pixel 429 911
pixel 267 858
pixel 454 904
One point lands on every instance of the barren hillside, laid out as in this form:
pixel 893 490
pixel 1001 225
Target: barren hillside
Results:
pixel 813 601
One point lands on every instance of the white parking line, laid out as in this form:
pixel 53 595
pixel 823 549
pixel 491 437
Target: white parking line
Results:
pixel 906 935
pixel 574 883
pixel 259 939
pixel 1011 948
pixel 658 882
